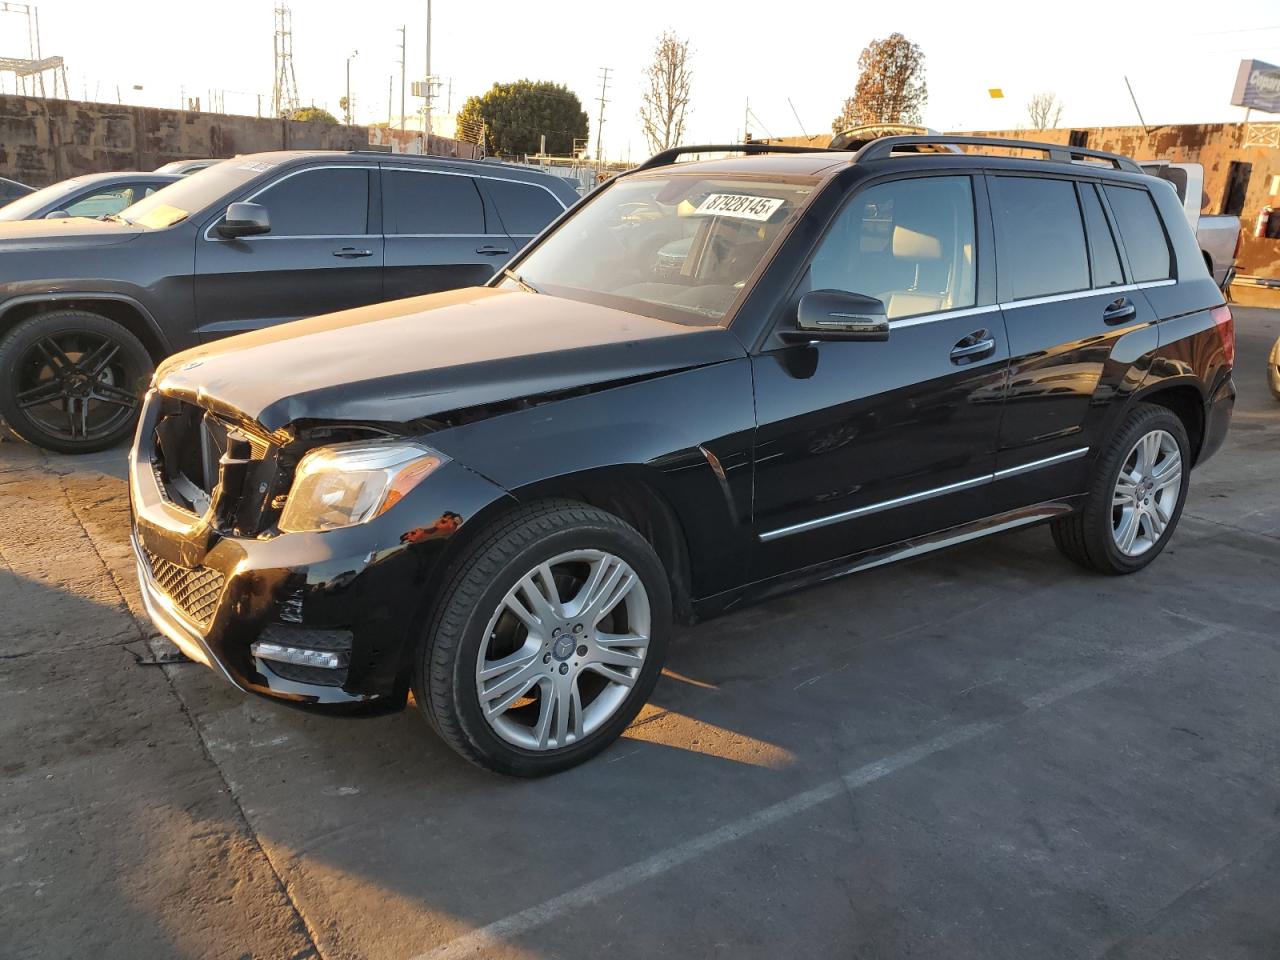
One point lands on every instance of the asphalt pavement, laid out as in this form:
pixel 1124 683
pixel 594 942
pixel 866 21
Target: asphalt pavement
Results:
pixel 985 753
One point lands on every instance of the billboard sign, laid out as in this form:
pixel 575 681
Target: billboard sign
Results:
pixel 1257 86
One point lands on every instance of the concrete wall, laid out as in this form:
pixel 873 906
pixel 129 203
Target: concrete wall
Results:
pixel 43 141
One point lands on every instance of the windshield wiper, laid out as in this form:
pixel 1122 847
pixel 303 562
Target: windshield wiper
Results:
pixel 524 284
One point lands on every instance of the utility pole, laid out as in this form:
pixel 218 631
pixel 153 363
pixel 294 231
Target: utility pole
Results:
pixel 391 82
pixel 426 113
pixel 402 78
pixel 347 111
pixel 604 86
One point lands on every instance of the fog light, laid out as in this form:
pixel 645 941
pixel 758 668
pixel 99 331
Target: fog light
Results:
pixel 300 656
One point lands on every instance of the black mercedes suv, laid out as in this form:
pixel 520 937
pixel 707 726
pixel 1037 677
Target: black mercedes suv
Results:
pixel 88 306
pixel 712 381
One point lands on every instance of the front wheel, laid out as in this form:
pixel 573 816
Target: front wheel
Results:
pixel 1136 496
pixel 547 641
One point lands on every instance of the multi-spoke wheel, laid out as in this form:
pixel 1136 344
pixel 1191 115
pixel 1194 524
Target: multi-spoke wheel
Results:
pixel 72 381
pixel 547 641
pixel 1136 495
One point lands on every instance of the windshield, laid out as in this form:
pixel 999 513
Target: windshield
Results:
pixel 678 248
pixel 26 206
pixel 192 194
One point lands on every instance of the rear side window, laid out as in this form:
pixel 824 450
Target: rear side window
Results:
pixel 524 208
pixel 1106 261
pixel 317 203
pixel 431 203
pixel 1140 229
pixel 1040 237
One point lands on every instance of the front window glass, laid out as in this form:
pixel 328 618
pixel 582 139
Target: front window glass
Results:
pixel 102 204
pixel 32 203
pixel 679 247
pixel 908 243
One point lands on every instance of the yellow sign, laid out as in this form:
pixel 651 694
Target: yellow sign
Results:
pixel 996 93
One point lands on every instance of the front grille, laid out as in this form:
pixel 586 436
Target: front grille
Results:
pixel 194 589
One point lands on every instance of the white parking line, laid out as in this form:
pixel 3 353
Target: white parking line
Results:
pixel 499 934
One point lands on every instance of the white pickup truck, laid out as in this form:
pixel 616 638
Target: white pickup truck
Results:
pixel 1219 235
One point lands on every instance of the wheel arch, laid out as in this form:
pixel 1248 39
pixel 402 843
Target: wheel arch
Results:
pixel 1185 398
pixel 118 307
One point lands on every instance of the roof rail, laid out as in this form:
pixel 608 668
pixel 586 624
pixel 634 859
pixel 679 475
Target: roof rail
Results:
pixel 884 147
pixel 665 157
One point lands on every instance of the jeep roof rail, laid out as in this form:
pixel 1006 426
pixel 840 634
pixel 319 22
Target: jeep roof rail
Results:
pixel 665 157
pixel 884 147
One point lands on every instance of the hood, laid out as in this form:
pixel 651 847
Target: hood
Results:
pixel 71 231
pixel 400 361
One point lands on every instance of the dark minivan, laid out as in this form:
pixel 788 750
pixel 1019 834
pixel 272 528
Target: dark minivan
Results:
pixel 88 306
pixel 713 381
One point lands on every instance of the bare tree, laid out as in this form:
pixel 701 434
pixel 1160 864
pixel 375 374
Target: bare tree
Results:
pixel 1044 111
pixel 891 87
pixel 666 98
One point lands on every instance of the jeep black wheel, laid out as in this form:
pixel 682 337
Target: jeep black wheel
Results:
pixel 72 381
pixel 547 640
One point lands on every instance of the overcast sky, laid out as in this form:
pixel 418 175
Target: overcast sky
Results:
pixel 1181 57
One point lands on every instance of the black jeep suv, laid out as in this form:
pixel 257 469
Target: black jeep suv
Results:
pixel 714 380
pixel 88 306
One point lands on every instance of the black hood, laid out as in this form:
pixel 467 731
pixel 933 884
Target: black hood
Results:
pixel 69 231
pixel 400 361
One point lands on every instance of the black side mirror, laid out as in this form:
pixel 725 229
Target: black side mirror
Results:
pixel 245 220
pixel 837 315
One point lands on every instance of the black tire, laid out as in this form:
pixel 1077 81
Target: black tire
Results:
pixel 444 677
pixel 27 373
pixel 1085 536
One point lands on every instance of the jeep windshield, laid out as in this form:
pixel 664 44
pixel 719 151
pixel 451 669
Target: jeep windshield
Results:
pixel 190 195
pixel 678 247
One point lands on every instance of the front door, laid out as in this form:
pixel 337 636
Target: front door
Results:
pixel 861 445
pixel 321 255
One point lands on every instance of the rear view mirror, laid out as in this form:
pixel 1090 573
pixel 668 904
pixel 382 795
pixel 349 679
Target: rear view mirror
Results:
pixel 837 315
pixel 245 220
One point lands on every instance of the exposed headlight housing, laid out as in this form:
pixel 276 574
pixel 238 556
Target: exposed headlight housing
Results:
pixel 351 483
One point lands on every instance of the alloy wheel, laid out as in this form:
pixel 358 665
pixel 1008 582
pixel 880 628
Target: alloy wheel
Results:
pixel 563 650
pixel 1146 493
pixel 75 385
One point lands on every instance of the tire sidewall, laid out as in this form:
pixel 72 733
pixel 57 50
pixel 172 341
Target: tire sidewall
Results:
pixel 505 757
pixel 1145 421
pixel 13 348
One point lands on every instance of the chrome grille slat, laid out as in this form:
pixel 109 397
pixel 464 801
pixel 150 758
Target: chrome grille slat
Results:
pixel 195 590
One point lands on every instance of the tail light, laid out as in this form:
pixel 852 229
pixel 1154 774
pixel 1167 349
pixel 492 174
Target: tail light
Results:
pixel 1222 319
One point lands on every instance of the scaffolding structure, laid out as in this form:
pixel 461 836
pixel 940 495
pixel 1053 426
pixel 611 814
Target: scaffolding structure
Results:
pixel 284 92
pixel 34 66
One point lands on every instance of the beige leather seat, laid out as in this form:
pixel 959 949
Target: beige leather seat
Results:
pixel 919 249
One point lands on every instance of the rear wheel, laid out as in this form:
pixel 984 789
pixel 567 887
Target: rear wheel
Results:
pixel 1135 501
pixel 71 381
pixel 547 641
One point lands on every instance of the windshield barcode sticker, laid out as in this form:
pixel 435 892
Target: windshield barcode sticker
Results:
pixel 738 205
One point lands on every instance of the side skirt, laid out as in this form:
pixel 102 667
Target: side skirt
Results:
pixel 880 556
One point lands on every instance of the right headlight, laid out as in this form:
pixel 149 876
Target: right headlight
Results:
pixel 351 483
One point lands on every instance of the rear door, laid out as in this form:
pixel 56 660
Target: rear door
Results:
pixel 440 233
pixel 324 253
pixel 525 208
pixel 1076 326
pixel 861 445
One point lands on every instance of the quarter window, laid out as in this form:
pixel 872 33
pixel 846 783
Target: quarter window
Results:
pixel 1140 229
pixel 908 243
pixel 1040 236
pixel 431 203
pixel 328 202
pixel 1106 262
pixel 524 208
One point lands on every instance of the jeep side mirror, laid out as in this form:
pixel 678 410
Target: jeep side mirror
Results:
pixel 837 315
pixel 245 220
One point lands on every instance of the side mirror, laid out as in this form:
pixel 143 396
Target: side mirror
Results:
pixel 57 215
pixel 837 315
pixel 245 220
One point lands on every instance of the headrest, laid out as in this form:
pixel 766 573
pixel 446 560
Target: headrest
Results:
pixel 913 245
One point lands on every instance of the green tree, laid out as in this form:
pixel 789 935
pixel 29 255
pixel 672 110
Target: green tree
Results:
pixel 891 87
pixel 516 115
pixel 313 115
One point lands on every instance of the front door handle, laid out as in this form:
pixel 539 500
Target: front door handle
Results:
pixel 351 253
pixel 1119 310
pixel 490 250
pixel 975 346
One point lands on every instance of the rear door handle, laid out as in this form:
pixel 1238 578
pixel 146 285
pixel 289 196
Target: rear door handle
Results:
pixel 975 346
pixel 490 250
pixel 1119 310
pixel 351 253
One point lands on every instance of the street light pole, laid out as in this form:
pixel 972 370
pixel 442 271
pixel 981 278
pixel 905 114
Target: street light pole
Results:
pixel 347 111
